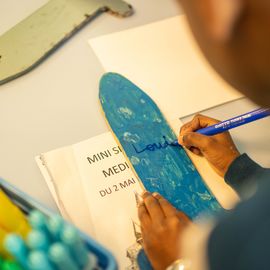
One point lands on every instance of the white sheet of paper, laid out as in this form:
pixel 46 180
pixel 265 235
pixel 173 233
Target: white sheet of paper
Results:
pixel 103 206
pixel 163 59
pixel 63 179
pixel 111 199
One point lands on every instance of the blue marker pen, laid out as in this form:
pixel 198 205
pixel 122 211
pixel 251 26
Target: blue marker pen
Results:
pixel 38 260
pixel 14 244
pixel 78 250
pixel 234 122
pixel 60 256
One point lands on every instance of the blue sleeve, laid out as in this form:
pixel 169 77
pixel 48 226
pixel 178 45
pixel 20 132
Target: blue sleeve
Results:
pixel 244 175
pixel 240 240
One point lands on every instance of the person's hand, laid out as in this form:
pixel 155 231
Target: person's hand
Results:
pixel 162 226
pixel 219 150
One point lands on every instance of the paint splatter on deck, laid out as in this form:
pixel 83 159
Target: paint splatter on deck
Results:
pixel 148 141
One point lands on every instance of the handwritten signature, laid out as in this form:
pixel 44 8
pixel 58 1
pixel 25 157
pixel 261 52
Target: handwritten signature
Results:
pixel 155 146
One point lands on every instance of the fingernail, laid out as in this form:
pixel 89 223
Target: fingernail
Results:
pixel 156 195
pixel 145 194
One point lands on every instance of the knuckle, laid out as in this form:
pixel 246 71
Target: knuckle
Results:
pixel 197 118
pixel 184 128
pixel 197 115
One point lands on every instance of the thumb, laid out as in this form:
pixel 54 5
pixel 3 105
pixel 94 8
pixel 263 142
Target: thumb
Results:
pixel 196 140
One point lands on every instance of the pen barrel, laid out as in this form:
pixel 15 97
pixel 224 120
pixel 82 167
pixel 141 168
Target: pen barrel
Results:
pixel 235 122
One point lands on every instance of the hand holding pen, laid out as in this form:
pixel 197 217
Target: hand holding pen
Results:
pixel 219 150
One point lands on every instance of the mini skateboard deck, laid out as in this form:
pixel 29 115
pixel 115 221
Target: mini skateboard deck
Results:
pixel 32 40
pixel 149 144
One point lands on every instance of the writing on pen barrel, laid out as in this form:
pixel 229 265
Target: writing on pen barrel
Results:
pixel 234 122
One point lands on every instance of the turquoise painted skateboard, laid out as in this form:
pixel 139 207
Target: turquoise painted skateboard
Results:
pixel 148 142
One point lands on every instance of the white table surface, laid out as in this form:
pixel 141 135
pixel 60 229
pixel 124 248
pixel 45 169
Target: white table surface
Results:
pixel 56 104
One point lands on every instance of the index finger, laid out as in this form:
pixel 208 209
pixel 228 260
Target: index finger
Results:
pixel 199 121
